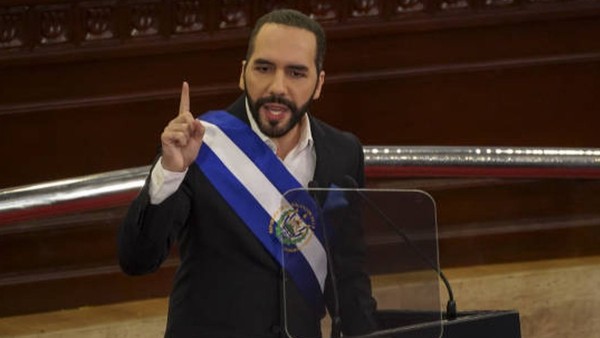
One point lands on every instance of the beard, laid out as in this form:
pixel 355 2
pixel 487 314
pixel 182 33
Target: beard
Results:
pixel 272 128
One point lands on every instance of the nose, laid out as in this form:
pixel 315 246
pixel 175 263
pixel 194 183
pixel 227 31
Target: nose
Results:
pixel 277 86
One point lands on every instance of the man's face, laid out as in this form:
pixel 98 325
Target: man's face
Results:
pixel 280 78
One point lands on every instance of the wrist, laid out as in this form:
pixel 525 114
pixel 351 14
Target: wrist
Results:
pixel 171 166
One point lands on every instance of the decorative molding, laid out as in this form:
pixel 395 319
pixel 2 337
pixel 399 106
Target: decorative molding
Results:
pixel 499 3
pixel 144 19
pixel 79 25
pixel 454 4
pixel 189 16
pixel 323 10
pixel 408 6
pixel 365 8
pixel 99 22
pixel 12 27
pixel 234 14
pixel 55 24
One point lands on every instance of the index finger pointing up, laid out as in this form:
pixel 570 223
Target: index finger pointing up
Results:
pixel 184 102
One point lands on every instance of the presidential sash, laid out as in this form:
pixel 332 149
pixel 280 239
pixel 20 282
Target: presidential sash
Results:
pixel 253 181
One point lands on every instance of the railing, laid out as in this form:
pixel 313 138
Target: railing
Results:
pixel 117 188
pixel 391 161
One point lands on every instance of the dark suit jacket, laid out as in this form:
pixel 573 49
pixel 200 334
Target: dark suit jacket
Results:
pixel 227 284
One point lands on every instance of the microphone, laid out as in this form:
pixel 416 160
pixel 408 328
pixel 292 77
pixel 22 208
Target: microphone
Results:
pixel 451 312
pixel 336 327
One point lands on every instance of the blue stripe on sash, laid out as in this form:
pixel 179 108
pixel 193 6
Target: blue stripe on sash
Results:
pixel 250 210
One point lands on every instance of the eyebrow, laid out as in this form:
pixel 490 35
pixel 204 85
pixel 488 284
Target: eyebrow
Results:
pixel 297 67
pixel 263 62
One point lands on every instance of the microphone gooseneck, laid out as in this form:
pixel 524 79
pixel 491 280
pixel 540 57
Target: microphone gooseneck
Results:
pixel 451 312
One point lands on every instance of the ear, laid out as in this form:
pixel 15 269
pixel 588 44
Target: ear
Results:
pixel 320 82
pixel 242 84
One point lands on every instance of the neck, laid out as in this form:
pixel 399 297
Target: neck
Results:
pixel 287 142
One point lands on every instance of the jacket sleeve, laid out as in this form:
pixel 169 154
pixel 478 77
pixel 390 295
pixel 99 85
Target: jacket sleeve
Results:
pixel 148 231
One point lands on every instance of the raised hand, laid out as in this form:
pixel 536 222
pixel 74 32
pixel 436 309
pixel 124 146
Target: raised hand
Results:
pixel 182 138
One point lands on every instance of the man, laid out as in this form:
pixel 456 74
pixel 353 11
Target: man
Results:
pixel 203 193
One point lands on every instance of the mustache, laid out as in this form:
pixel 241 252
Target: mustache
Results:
pixel 277 99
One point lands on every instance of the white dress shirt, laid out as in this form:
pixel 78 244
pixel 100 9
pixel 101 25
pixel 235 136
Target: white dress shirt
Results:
pixel 300 161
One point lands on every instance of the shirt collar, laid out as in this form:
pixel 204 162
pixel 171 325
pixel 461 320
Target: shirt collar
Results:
pixel 306 139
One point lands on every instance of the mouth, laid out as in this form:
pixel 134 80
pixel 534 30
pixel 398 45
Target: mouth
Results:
pixel 274 111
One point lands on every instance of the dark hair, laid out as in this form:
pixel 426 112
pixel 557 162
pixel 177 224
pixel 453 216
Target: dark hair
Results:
pixel 293 18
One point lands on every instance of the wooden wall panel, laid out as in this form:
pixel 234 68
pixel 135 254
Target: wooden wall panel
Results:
pixel 473 106
pixel 68 141
pixel 81 77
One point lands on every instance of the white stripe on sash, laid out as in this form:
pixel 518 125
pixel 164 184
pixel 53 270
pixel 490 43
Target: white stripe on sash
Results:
pixel 263 191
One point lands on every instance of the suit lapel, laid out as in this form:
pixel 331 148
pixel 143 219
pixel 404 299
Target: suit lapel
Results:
pixel 323 169
pixel 238 109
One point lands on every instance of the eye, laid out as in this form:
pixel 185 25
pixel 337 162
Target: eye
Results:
pixel 297 73
pixel 262 68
